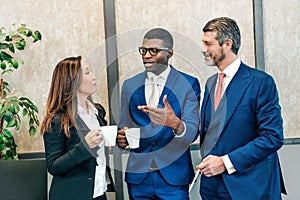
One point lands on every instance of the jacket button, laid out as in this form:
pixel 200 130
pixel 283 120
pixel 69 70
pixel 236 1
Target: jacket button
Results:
pixel 153 144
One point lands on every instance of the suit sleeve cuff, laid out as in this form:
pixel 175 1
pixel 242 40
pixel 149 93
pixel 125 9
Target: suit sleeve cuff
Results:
pixel 228 164
pixel 182 134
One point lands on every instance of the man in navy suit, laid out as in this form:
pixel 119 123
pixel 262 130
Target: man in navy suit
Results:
pixel 241 135
pixel 161 167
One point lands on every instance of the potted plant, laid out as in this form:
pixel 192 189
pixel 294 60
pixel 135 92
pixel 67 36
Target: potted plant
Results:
pixel 18 174
pixel 14 109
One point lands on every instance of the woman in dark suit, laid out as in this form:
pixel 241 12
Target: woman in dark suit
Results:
pixel 71 130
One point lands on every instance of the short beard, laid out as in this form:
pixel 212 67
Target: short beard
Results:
pixel 215 61
pixel 221 58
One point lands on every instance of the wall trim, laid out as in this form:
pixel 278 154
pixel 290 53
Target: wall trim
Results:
pixel 258 28
pixel 113 84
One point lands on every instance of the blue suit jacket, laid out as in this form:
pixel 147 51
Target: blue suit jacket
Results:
pixel 170 153
pixel 248 127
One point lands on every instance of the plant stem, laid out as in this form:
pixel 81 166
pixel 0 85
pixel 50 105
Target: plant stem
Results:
pixel 2 97
pixel 2 88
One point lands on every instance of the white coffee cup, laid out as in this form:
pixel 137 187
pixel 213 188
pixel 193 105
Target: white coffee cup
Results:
pixel 109 135
pixel 133 137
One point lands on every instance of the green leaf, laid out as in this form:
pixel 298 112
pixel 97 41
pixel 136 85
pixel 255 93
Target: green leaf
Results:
pixel 15 63
pixel 12 110
pixel 20 45
pixel 5 56
pixel 18 122
pixel 2 37
pixel 9 154
pixel 6 71
pixel 28 33
pixel 3 65
pixel 21 103
pixel 11 123
pixel 37 122
pixel 35 38
pixel 5 83
pixel 3 46
pixel 22 30
pixel 17 37
pixel 33 107
pixel 7 134
pixel 29 104
pixel 1 139
pixel 25 112
pixel 2 147
pixel 32 131
pixel 11 34
pixel 24 99
pixel 15 109
pixel 31 122
pixel 38 35
pixel 8 117
pixel 11 47
pixel 5 139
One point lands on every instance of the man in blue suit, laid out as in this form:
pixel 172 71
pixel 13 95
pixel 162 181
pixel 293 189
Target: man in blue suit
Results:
pixel 161 167
pixel 241 134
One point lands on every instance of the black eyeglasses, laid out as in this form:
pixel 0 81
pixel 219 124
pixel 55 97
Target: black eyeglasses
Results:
pixel 152 51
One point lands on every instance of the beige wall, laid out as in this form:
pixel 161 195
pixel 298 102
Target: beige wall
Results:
pixel 282 42
pixel 185 20
pixel 69 28
pixel 76 27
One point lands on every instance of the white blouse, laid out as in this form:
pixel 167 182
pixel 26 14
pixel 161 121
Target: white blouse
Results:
pixel 91 121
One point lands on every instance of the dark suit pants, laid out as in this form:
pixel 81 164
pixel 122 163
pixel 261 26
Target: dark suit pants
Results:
pixel 155 187
pixel 213 188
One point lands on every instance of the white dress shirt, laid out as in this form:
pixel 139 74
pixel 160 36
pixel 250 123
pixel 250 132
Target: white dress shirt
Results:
pixel 229 72
pixel 161 82
pixel 91 121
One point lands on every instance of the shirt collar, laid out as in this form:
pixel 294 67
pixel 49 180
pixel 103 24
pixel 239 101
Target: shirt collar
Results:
pixel 92 108
pixel 231 69
pixel 164 75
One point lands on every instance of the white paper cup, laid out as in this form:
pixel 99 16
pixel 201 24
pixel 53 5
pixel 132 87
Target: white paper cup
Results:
pixel 133 137
pixel 109 135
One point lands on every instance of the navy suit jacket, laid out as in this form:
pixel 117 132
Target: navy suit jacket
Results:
pixel 170 153
pixel 248 127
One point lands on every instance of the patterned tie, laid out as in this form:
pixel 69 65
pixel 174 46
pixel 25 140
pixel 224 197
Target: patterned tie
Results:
pixel 219 91
pixel 154 97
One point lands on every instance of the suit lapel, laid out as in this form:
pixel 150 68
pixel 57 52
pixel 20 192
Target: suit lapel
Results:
pixel 211 84
pixel 170 83
pixel 208 96
pixel 101 121
pixel 141 89
pixel 236 90
pixel 138 88
pixel 81 127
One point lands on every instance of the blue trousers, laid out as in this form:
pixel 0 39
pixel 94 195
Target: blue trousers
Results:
pixel 213 188
pixel 155 187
